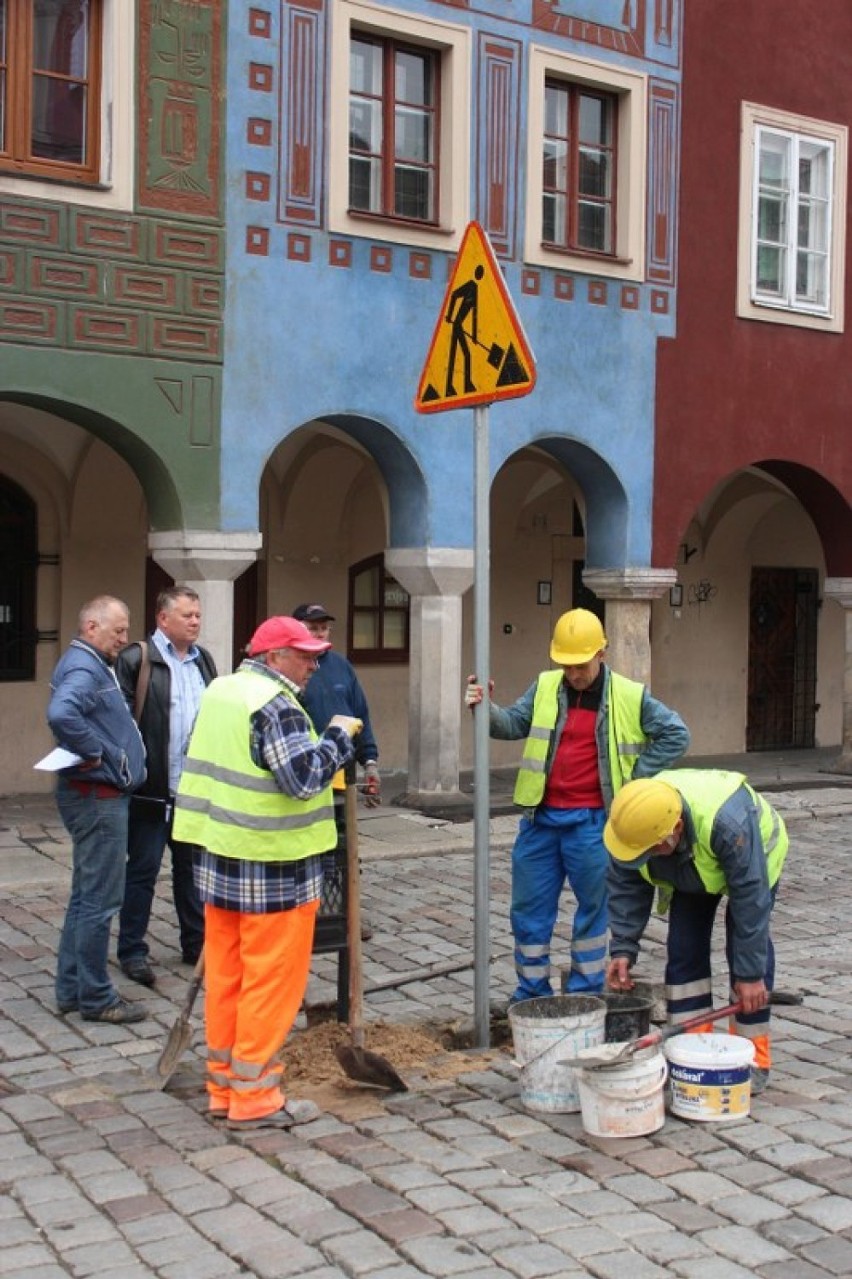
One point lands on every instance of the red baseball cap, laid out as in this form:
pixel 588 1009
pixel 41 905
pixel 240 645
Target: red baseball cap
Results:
pixel 285 632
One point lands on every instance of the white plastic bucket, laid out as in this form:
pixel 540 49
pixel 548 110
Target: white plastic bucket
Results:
pixel 544 1032
pixel 626 1099
pixel 710 1076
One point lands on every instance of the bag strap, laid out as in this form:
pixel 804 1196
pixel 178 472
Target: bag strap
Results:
pixel 142 681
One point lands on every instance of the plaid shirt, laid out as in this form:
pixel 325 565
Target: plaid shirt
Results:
pixel 281 742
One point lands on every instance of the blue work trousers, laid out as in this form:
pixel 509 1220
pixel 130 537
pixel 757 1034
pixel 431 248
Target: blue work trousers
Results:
pixel 98 830
pixel 689 979
pixel 554 845
pixel 150 831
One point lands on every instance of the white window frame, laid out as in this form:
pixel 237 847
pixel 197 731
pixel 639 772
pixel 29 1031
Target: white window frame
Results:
pixel 631 178
pixel 115 189
pixel 751 303
pixel 453 42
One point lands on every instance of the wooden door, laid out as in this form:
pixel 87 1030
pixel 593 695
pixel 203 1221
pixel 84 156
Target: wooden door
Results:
pixel 782 658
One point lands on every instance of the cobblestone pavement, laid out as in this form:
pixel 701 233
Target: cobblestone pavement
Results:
pixel 103 1173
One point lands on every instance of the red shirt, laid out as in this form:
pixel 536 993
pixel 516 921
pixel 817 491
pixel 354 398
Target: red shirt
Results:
pixel 574 778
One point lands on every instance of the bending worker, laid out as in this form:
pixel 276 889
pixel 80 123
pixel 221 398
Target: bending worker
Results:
pixel 255 794
pixel 588 730
pixel 699 835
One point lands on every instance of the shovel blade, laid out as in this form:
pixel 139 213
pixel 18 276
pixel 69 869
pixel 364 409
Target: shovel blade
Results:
pixel 369 1068
pixel 180 1037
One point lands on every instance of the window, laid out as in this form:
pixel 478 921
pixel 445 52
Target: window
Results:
pixel 393 164
pixel 398 162
pixel 18 563
pixel 378 614
pixel 587 176
pixel 792 219
pixel 578 168
pixel 50 88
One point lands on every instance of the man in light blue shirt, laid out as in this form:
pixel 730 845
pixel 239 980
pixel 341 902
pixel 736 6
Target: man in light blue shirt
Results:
pixel 163 682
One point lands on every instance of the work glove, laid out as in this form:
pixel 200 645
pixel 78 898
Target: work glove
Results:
pixel 372 784
pixel 350 725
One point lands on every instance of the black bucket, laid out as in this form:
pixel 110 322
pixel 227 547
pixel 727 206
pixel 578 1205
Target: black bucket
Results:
pixel 627 1017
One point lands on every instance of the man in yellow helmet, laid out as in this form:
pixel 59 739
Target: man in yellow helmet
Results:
pixel 698 835
pixel 588 730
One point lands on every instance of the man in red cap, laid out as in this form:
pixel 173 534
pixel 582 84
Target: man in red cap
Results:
pixel 255 795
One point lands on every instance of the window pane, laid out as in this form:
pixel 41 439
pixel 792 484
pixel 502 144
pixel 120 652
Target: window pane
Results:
pixel 365 630
pixel 770 270
pixel 594 121
pixel 413 81
pixel 594 175
pixel 412 135
pixel 554 229
pixel 773 165
pixel 593 231
pixel 59 121
pixel 61 37
pixel 555 110
pixel 811 279
pixel 365 184
pixel 365 67
pixel 813 169
pixel 365 125
pixel 412 192
pixel 555 165
pixel 394 636
pixel 772 219
pixel 365 590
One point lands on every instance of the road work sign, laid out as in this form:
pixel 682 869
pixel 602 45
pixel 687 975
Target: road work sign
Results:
pixel 479 352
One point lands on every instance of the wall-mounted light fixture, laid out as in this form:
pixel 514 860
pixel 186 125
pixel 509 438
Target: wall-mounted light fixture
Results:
pixel 676 596
pixel 545 592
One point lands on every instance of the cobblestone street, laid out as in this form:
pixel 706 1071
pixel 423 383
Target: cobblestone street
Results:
pixel 104 1173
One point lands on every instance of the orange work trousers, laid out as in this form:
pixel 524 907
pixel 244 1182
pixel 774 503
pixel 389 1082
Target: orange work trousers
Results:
pixel 256 972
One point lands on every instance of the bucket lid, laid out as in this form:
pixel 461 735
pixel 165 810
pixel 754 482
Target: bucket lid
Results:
pixel 706 1051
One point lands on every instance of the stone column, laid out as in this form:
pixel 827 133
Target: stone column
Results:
pixel 209 562
pixel 840 589
pixel 436 579
pixel 628 593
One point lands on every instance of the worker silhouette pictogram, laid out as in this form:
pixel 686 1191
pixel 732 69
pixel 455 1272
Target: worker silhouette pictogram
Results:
pixel 464 302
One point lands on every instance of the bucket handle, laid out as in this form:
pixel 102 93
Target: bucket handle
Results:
pixel 548 1048
pixel 653 1087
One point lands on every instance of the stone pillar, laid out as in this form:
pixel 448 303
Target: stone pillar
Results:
pixel 840 589
pixel 209 562
pixel 435 579
pixel 628 593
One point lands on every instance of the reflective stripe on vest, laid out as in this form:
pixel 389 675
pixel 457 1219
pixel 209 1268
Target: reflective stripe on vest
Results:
pixel 225 802
pixel 705 791
pixel 626 739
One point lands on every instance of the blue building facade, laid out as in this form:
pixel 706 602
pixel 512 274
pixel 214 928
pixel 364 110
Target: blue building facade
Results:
pixel 362 138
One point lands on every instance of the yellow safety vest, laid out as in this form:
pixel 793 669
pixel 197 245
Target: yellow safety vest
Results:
pixel 705 791
pixel 225 802
pixel 624 732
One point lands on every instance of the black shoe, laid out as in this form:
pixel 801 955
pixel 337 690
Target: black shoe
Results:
pixel 119 1013
pixel 66 1008
pixel 290 1114
pixel 366 930
pixel 139 970
pixel 190 957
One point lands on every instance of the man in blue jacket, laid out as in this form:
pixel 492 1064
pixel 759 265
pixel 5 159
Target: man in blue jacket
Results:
pixel 90 718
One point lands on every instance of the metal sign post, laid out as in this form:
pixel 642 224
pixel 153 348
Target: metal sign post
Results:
pixel 478 354
pixel 481 763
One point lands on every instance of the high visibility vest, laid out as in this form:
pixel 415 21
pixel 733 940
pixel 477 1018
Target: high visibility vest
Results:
pixel 225 802
pixel 624 733
pixel 705 791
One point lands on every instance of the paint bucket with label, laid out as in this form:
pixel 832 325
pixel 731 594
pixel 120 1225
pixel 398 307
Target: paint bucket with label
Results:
pixel 710 1076
pixel 546 1030
pixel 625 1099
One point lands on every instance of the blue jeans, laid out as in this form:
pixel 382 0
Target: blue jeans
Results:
pixel 555 845
pixel 98 830
pixel 150 831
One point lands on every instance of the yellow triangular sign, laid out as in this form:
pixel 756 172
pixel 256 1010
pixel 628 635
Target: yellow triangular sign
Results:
pixel 479 352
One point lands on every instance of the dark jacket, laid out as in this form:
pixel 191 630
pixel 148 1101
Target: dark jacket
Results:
pixel 333 689
pixel 154 723
pixel 89 716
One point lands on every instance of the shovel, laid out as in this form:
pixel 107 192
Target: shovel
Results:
pixel 660 1035
pixel 180 1034
pixel 358 1063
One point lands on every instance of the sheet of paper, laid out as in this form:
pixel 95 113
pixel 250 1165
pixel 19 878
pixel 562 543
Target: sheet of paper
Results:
pixel 58 758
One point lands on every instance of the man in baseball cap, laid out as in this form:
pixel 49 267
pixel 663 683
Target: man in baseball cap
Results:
pixel 255 796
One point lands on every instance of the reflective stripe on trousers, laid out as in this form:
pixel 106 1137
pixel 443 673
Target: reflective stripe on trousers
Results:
pixel 256 972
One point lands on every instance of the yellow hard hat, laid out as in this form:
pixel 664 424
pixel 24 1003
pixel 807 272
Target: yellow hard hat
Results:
pixel 577 636
pixel 643 814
